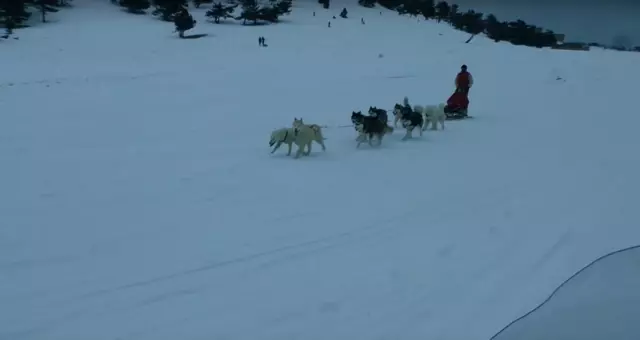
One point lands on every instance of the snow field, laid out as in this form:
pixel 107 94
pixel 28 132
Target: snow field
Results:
pixel 140 200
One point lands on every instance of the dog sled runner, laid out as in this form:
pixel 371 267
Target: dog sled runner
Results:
pixel 457 106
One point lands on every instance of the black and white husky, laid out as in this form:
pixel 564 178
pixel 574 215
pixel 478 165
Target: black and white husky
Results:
pixel 411 120
pixel 368 127
pixel 379 113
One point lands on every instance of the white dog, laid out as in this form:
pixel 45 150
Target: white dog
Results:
pixel 305 135
pixel 282 136
pixel 434 115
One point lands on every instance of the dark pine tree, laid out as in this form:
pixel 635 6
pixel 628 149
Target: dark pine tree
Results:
pixel 494 28
pixel 325 3
pixel 428 8
pixel 367 3
pixel 442 10
pixel 250 12
pixel 284 7
pixel 183 21
pixel 135 6
pixel 13 13
pixel 167 9
pixel 220 11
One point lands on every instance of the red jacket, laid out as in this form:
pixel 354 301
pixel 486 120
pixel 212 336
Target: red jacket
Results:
pixel 464 79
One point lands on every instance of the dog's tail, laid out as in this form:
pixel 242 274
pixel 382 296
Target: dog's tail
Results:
pixel 317 130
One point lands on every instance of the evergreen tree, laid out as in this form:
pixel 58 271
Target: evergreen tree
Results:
pixel 13 13
pixel 442 10
pixel 183 21
pixel 495 29
pixel 367 3
pixel 284 6
pixel 219 11
pixel 428 9
pixel 268 14
pixel 167 9
pixel 44 7
pixel 135 6
pixel 250 12
pixel 454 10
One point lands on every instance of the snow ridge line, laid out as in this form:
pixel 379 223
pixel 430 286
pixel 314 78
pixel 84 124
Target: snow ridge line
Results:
pixel 562 285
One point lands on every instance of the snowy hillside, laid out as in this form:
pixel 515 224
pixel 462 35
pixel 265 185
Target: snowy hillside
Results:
pixel 139 200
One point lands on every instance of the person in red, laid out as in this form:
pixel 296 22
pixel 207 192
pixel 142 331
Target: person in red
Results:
pixel 458 103
pixel 464 80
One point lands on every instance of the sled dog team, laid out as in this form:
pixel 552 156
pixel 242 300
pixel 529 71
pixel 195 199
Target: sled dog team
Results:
pixel 369 127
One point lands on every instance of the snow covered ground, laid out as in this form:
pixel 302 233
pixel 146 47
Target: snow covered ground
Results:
pixel 600 302
pixel 139 200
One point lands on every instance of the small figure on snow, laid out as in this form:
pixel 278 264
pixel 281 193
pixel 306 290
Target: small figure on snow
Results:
pixel 362 20
pixel 329 24
pixel 344 13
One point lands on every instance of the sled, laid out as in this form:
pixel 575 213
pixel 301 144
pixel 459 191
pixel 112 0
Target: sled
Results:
pixel 457 116
pixel 457 106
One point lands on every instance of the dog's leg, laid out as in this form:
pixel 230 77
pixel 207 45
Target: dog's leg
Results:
pixel 442 119
pixel 421 128
pixel 434 123
pixel 300 150
pixel 361 138
pixel 407 134
pixel 289 152
pixel 276 147
pixel 309 148
pixel 370 139
pixel 321 142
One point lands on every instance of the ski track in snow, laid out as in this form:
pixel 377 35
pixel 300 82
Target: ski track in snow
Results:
pixel 140 200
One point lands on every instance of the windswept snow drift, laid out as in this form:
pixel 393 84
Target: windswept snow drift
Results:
pixel 602 301
pixel 139 199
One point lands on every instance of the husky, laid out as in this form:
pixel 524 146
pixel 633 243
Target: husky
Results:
pixel 317 129
pixel 410 121
pixel 379 113
pixel 398 110
pixel 282 136
pixel 433 115
pixel 368 127
pixel 306 134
